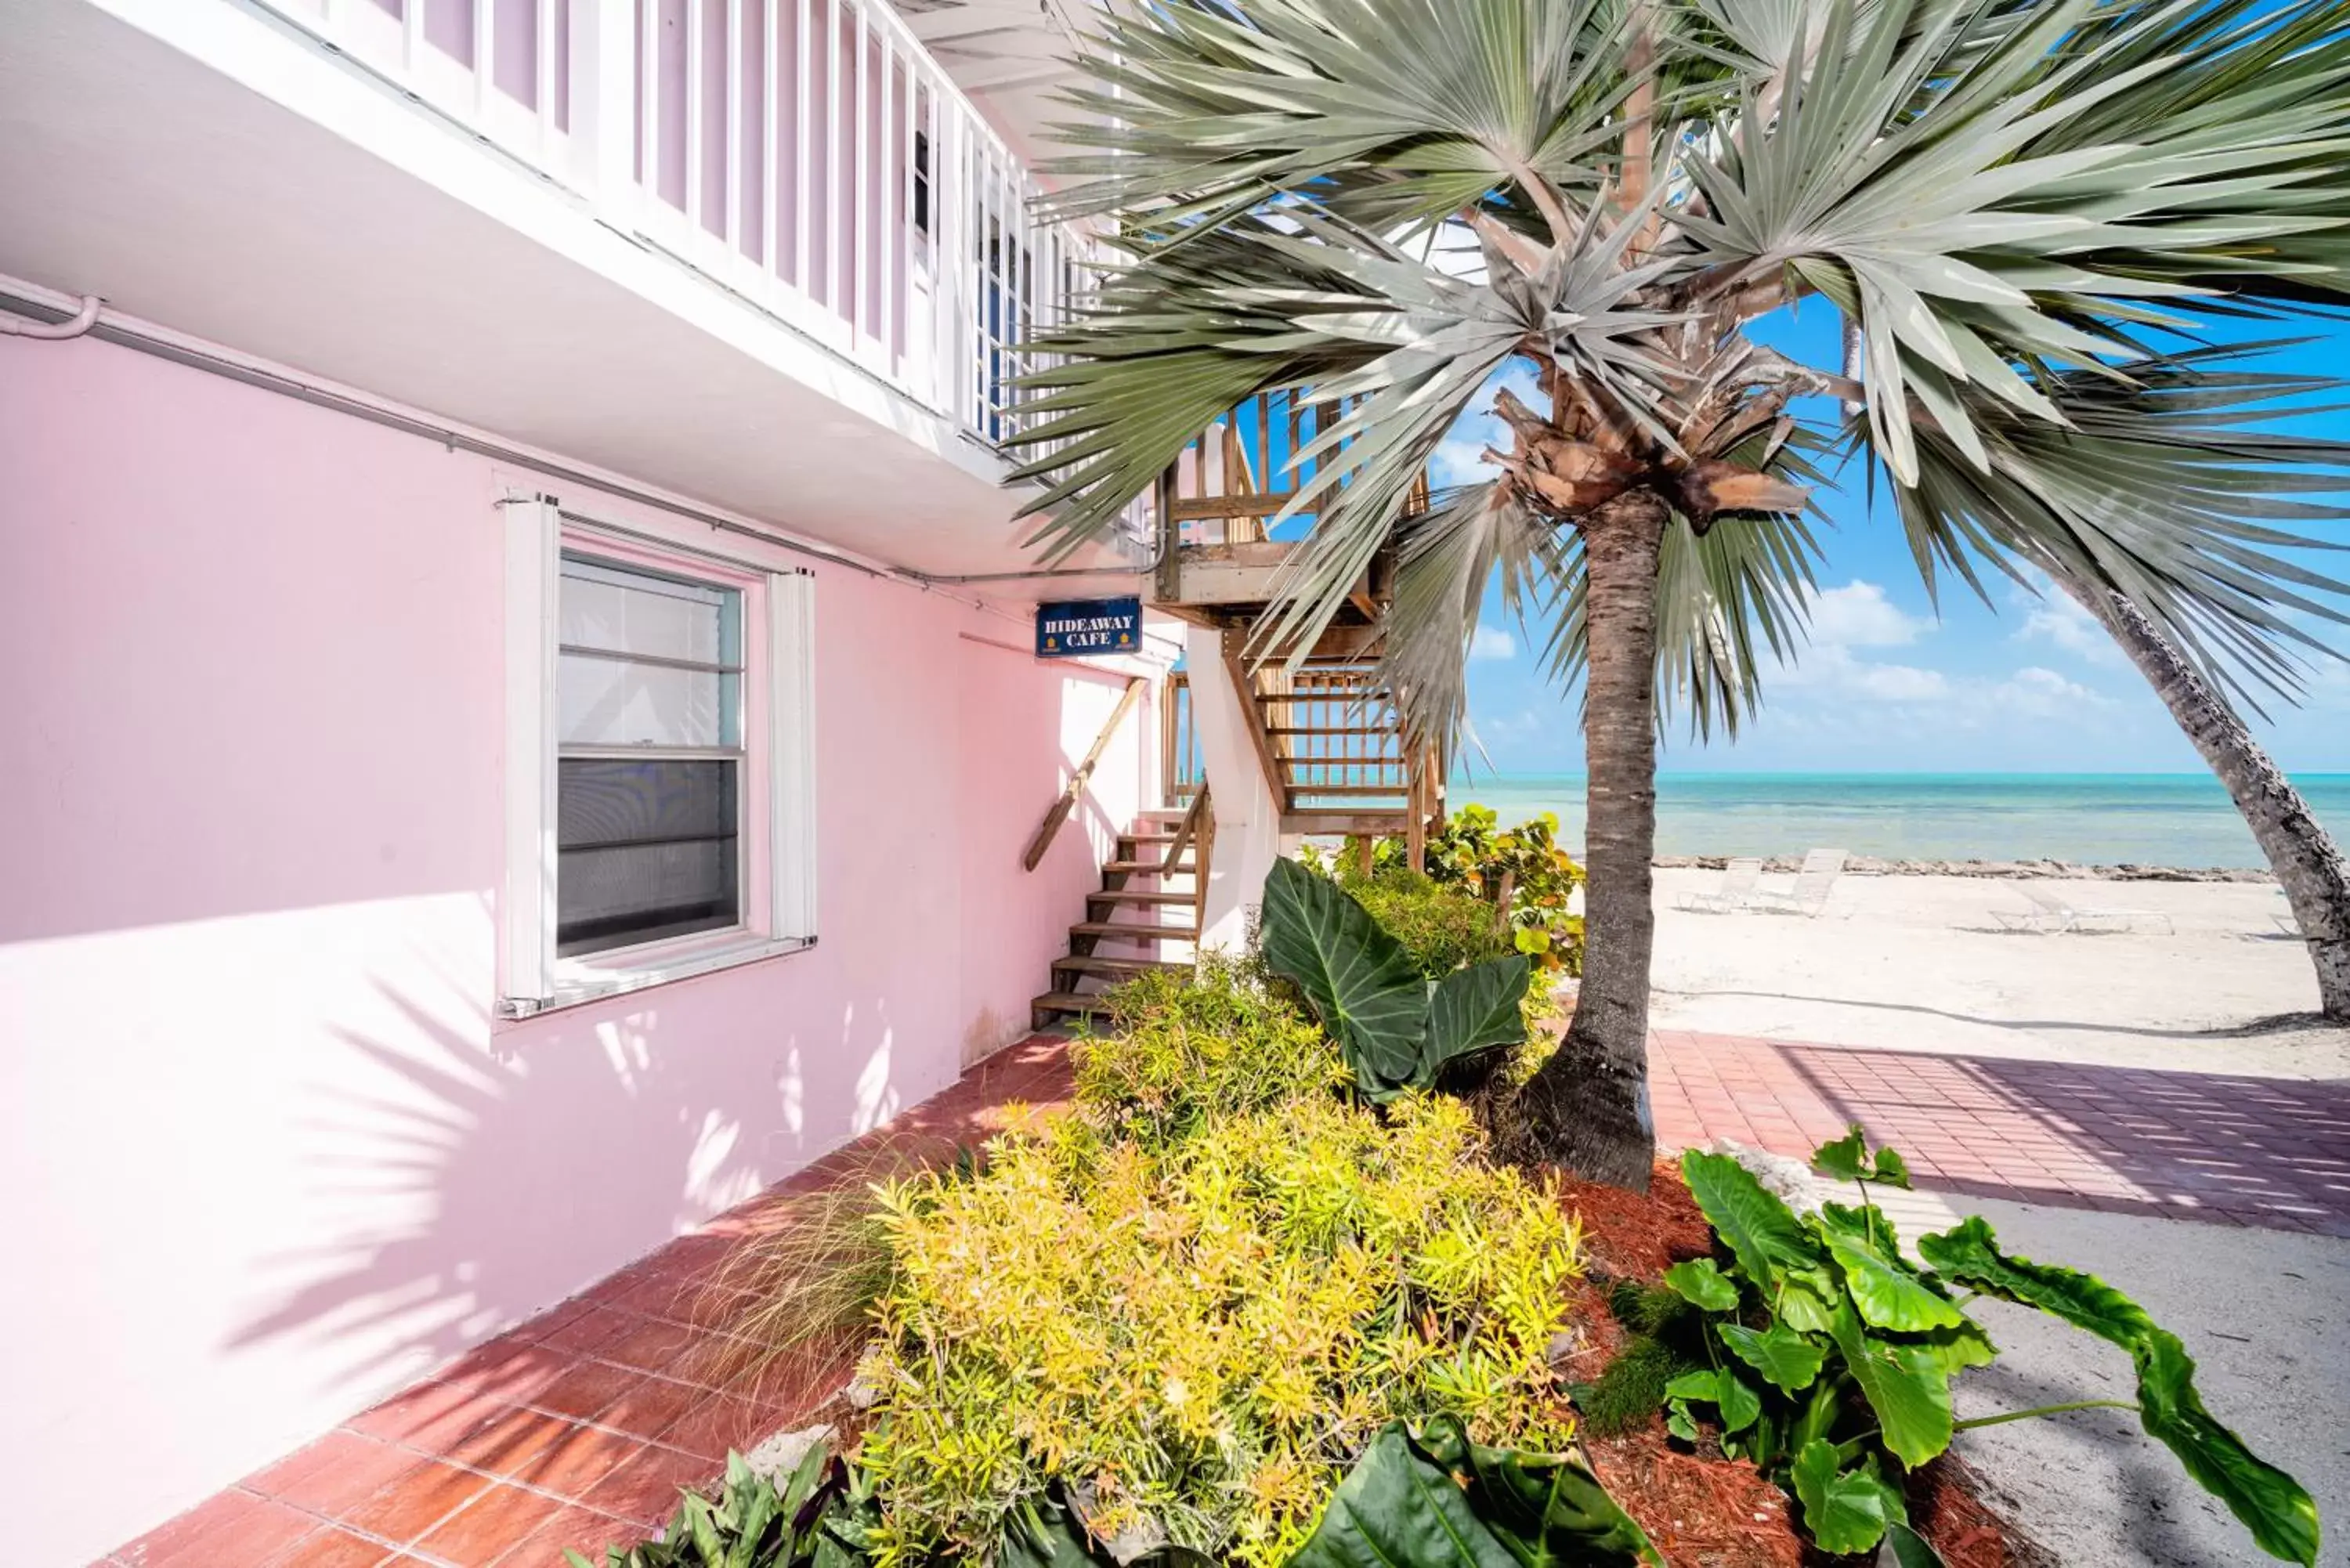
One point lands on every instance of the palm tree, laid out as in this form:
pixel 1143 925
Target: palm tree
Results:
pixel 2309 866
pixel 2025 209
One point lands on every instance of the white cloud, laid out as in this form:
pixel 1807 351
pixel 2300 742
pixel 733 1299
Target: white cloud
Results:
pixel 1460 462
pixel 2037 693
pixel 1491 642
pixel 2056 619
pixel 1858 615
pixel 1900 683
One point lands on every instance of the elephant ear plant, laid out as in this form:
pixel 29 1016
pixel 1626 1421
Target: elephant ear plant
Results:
pixel 1826 1355
pixel 1397 1030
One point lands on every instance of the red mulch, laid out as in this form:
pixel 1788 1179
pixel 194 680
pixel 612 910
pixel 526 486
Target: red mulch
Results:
pixel 1703 1511
pixel 1634 1235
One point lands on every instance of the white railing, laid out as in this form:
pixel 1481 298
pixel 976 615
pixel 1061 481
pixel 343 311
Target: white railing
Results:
pixel 809 154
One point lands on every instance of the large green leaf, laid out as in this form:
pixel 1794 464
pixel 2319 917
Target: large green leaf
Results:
pixel 1844 1510
pixel 1733 1395
pixel 1887 1291
pixel 1787 1360
pixel 1701 1283
pixel 1904 1383
pixel 1439 1500
pixel 1912 1549
pixel 1474 1009
pixel 2273 1506
pixel 1360 981
pixel 1770 1242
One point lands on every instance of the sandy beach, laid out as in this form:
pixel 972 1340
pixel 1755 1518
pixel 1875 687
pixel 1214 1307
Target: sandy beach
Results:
pixel 1920 963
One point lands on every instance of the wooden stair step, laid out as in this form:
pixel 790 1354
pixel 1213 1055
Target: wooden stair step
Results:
pixel 1133 896
pixel 1115 931
pixel 1169 816
pixel 1340 820
pixel 1153 867
pixel 1121 967
pixel 1301 786
pixel 1067 1003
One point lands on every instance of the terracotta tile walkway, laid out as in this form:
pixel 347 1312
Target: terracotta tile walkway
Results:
pixel 578 1429
pixel 2271 1152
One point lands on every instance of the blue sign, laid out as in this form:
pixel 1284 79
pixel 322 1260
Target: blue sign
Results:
pixel 1075 628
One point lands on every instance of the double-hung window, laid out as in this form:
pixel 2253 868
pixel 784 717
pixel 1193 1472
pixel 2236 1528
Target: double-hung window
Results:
pixel 649 772
pixel 659 761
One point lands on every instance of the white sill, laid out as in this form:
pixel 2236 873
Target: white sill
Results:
pixel 578 981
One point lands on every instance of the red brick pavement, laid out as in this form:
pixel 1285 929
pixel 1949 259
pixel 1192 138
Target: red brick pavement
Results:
pixel 578 1429
pixel 579 1426
pixel 2272 1152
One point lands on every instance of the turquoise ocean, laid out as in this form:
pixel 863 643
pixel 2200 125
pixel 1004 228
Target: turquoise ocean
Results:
pixel 2146 819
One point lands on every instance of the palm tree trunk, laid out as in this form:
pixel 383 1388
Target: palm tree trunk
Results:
pixel 1587 1107
pixel 2308 865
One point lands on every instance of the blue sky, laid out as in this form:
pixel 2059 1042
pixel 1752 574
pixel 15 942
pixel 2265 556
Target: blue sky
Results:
pixel 1891 683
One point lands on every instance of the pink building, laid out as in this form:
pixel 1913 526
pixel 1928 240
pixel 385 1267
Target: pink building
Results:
pixel 519 719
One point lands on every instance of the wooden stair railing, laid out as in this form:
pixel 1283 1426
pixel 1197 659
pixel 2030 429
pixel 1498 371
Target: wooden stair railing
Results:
pixel 1155 850
pixel 1059 813
pixel 1330 744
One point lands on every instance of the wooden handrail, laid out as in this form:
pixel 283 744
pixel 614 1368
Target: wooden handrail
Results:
pixel 1185 832
pixel 1059 814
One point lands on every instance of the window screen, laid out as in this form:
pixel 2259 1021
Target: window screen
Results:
pixel 649 771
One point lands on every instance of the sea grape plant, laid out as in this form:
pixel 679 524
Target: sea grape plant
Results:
pixel 1826 1355
pixel 1475 851
pixel 1397 1029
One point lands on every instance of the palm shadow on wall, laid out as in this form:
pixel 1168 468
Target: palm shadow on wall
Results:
pixel 473 1188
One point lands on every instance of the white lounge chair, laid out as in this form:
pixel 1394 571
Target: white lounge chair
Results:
pixel 2049 913
pixel 1809 895
pixel 1738 880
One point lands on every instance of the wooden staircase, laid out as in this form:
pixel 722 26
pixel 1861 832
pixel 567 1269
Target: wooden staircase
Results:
pixel 1153 880
pixel 1325 730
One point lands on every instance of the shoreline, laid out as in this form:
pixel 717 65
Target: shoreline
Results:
pixel 2052 870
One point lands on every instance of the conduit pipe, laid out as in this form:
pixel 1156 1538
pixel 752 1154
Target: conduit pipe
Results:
pixel 73 325
pixel 199 356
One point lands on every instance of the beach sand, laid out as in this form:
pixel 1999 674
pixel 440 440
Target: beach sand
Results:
pixel 1920 964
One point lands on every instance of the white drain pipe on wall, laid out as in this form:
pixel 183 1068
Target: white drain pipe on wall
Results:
pixel 73 325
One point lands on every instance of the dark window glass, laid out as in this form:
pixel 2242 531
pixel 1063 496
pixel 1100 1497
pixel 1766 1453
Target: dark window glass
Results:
pixel 647 850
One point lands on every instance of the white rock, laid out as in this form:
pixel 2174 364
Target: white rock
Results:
pixel 1791 1180
pixel 779 1455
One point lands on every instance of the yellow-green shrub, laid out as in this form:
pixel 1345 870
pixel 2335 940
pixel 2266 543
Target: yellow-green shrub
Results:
pixel 1443 929
pixel 1198 1336
pixel 1182 1047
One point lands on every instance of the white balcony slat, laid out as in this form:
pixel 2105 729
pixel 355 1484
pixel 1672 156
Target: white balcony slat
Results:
pixel 848 149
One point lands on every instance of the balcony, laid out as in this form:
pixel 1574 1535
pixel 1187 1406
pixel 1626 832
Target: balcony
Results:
pixel 710 191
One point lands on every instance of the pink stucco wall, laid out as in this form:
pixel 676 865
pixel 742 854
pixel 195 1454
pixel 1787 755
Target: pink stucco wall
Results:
pixel 264 1155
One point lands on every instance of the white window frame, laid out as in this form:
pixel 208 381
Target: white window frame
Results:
pixel 777 879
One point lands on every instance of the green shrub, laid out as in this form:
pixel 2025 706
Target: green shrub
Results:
pixel 754 1524
pixel 1831 1355
pixel 1398 1029
pixel 1443 929
pixel 1183 1046
pixel 1474 856
pixel 1196 1339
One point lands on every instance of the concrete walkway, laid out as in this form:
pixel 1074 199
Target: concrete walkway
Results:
pixel 2268 1152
